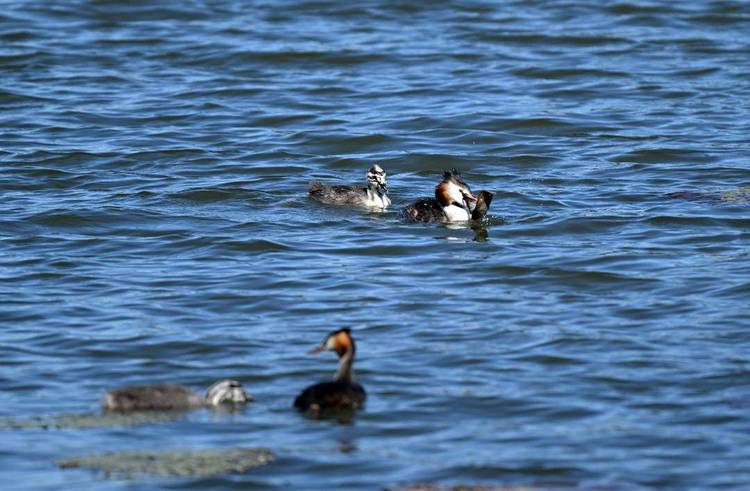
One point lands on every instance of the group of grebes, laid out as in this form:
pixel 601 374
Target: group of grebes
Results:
pixel 453 202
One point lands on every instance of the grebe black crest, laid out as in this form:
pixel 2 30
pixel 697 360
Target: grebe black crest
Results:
pixel 342 392
pixel 375 195
pixel 453 202
pixel 171 397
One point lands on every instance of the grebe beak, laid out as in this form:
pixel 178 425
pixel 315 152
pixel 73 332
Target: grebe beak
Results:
pixel 468 199
pixel 316 350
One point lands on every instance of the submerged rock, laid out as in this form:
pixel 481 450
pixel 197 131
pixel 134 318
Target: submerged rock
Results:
pixel 505 487
pixel 467 487
pixel 92 420
pixel 741 195
pixel 197 463
pixel 738 196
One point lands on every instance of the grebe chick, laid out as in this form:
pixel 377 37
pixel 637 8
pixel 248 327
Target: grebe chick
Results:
pixel 342 392
pixel 453 202
pixel 171 397
pixel 375 195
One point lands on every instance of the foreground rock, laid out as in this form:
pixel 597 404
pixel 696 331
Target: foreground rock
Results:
pixel 199 463
pixel 739 196
pixel 93 420
pixel 468 487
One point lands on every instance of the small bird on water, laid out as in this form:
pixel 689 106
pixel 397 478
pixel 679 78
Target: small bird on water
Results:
pixel 375 195
pixel 342 392
pixel 171 397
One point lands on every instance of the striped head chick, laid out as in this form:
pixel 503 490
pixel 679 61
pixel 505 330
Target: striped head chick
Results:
pixel 226 392
pixel 377 187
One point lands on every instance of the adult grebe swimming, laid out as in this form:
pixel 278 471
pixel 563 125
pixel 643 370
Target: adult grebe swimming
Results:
pixel 342 392
pixel 453 202
pixel 166 397
pixel 375 195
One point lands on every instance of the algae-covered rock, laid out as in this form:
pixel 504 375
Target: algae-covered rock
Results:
pixel 741 195
pixel 171 463
pixel 91 420
pixel 488 487
pixel 738 196
pixel 467 487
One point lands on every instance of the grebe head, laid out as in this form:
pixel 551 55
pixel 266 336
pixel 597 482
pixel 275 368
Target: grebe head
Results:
pixel 340 341
pixel 376 179
pixel 226 392
pixel 454 191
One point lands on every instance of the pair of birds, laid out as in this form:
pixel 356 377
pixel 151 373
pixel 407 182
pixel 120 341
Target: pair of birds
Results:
pixel 453 201
pixel 340 393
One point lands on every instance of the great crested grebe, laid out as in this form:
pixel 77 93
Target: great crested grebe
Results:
pixel 342 392
pixel 375 195
pixel 166 397
pixel 453 202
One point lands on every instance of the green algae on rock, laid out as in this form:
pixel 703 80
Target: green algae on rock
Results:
pixel 197 463
pixel 738 196
pixel 741 195
pixel 91 420
pixel 468 487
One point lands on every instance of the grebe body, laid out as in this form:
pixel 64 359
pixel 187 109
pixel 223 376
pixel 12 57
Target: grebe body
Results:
pixel 336 394
pixel 375 195
pixel 451 202
pixel 171 397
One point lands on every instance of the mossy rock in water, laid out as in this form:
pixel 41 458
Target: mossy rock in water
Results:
pixel 469 487
pixel 94 420
pixel 171 463
pixel 741 195
pixel 738 196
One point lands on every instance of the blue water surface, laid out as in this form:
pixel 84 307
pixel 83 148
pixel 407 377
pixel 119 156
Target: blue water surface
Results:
pixel 155 226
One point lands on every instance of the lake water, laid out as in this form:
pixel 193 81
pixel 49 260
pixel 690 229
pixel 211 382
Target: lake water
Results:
pixel 155 226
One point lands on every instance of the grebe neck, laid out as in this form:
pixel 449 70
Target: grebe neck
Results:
pixel 377 197
pixel 345 372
